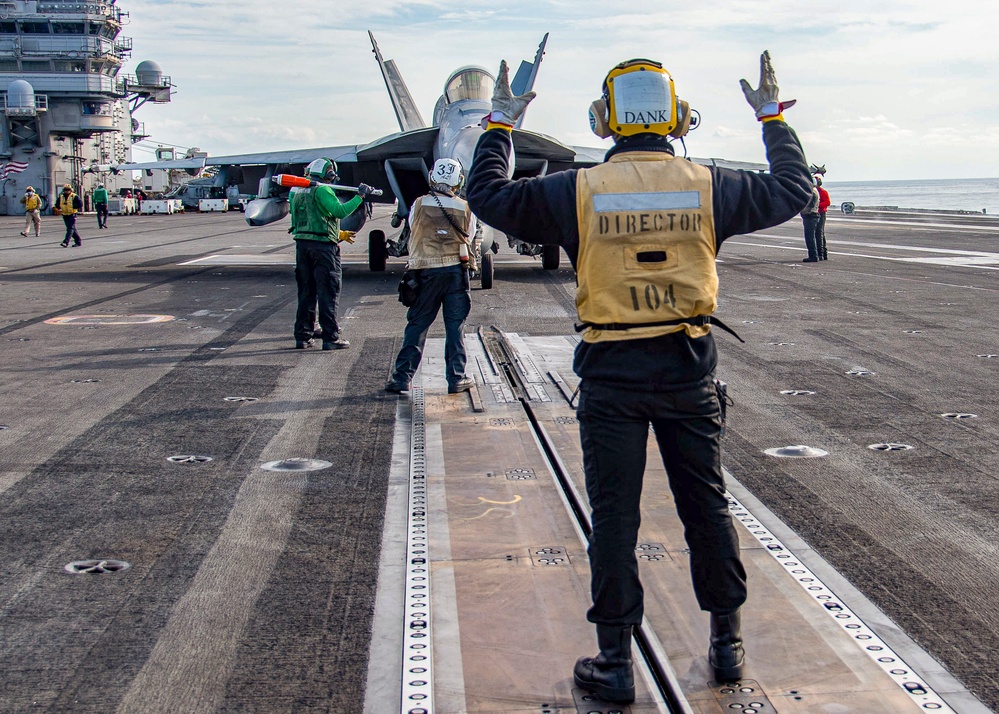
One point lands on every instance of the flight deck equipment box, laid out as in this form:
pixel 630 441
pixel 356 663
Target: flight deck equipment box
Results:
pixel 213 204
pixel 157 207
pixel 118 205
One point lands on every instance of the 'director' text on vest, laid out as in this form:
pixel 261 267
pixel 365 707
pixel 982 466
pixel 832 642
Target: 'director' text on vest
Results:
pixel 647 248
pixel 632 222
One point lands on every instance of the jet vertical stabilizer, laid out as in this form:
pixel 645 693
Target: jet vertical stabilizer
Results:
pixel 523 81
pixel 402 101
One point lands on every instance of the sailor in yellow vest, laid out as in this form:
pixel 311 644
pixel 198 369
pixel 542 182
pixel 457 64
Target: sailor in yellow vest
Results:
pixel 642 230
pixel 32 211
pixel 67 206
pixel 441 227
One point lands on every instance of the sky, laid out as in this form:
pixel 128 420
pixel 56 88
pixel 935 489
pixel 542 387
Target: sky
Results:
pixel 892 90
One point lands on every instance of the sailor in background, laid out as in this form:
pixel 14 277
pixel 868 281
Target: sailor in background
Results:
pixel 820 229
pixel 68 205
pixel 101 205
pixel 441 226
pixel 315 222
pixel 642 231
pixel 810 222
pixel 32 211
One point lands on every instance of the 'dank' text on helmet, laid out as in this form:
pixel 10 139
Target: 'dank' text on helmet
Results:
pixel 655 116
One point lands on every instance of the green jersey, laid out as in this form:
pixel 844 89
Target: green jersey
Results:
pixel 316 213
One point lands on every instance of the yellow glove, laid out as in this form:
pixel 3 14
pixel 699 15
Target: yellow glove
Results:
pixel 347 236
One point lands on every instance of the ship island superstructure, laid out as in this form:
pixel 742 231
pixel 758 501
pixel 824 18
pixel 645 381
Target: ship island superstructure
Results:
pixel 67 105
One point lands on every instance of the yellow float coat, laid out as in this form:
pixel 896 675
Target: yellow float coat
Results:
pixel 646 247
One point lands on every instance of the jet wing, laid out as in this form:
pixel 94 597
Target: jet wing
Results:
pixel 589 155
pixel 198 163
pixel 729 164
pixel 538 154
pixel 278 158
pixel 419 142
pixel 274 158
pixel 592 155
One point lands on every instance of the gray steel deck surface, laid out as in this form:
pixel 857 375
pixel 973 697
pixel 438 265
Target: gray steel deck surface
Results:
pixel 253 590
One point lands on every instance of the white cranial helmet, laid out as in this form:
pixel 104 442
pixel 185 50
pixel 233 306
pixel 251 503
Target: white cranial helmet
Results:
pixel 447 172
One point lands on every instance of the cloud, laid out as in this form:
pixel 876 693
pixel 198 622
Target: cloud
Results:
pixel 873 81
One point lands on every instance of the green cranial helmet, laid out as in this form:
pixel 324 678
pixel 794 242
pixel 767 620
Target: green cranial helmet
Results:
pixel 323 169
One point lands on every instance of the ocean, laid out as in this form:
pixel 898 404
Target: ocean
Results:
pixel 947 194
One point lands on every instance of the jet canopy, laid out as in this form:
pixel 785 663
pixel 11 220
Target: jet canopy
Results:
pixel 469 83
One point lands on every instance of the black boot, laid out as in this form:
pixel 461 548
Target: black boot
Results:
pixel 608 675
pixel 726 654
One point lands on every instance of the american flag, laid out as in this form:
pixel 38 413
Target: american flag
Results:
pixel 12 167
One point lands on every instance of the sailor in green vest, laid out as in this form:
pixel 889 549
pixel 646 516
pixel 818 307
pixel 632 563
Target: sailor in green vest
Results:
pixel 642 230
pixel 100 199
pixel 315 222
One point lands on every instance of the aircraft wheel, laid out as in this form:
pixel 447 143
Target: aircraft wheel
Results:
pixel 486 271
pixel 551 255
pixel 377 251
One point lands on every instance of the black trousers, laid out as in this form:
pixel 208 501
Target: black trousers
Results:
pixel 614 430
pixel 319 277
pixel 440 289
pixel 820 237
pixel 102 214
pixel 71 231
pixel 810 222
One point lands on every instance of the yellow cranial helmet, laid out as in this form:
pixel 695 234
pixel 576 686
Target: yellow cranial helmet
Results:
pixel 639 98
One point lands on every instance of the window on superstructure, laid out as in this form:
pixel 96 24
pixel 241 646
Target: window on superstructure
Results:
pixel 35 28
pixel 71 66
pixel 68 28
pixel 96 109
pixel 35 66
pixel 94 28
pixel 8 66
pixel 109 31
pixel 8 28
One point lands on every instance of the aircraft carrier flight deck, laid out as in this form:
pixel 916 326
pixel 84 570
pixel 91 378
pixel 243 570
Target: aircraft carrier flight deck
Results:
pixel 197 517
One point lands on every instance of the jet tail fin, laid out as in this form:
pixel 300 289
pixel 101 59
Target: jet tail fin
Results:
pixel 402 101
pixel 523 81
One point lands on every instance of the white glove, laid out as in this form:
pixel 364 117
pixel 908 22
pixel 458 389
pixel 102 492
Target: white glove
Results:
pixel 764 100
pixel 507 109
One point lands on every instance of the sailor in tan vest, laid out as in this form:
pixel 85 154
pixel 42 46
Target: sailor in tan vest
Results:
pixel 32 211
pixel 441 230
pixel 642 230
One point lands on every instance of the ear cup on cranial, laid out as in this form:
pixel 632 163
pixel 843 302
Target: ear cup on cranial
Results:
pixel 598 119
pixel 682 119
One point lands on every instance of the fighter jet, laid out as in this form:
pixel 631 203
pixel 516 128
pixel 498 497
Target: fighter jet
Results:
pixel 399 163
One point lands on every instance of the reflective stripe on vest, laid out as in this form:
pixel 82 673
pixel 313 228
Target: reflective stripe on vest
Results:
pixel 433 241
pixel 646 247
